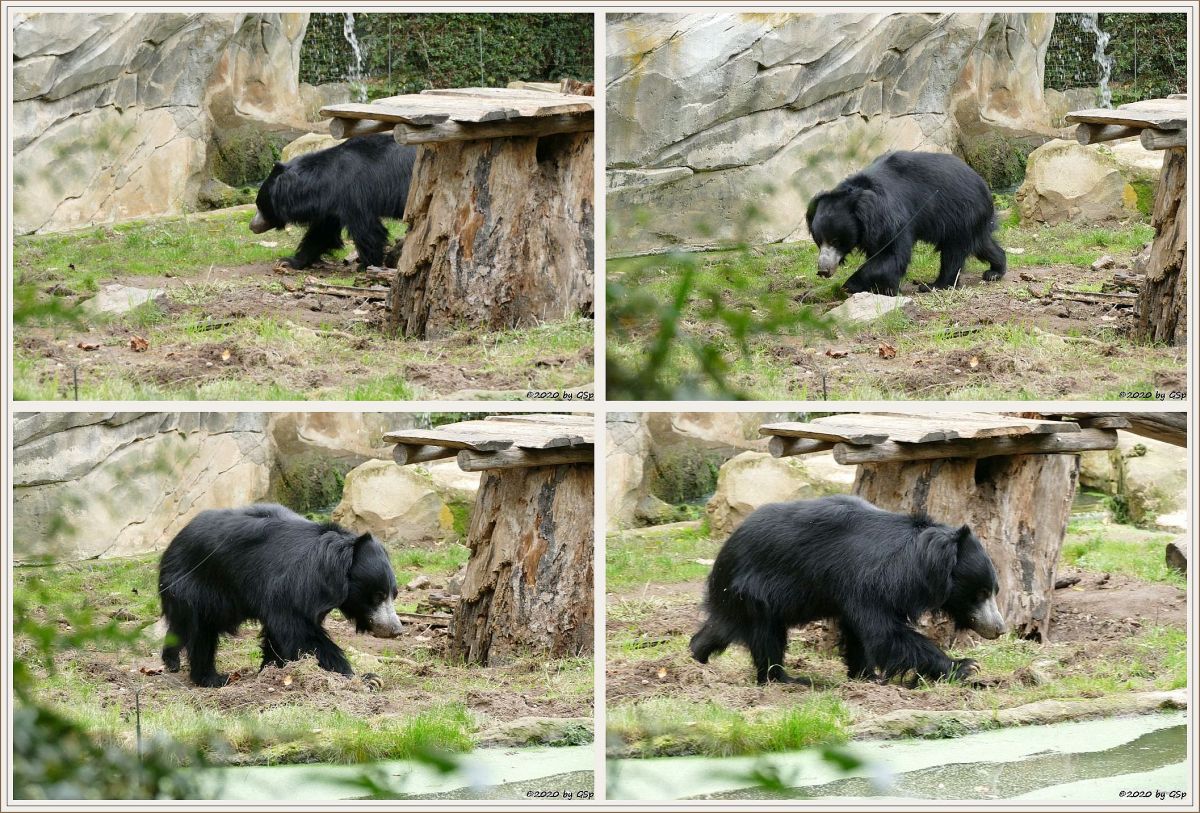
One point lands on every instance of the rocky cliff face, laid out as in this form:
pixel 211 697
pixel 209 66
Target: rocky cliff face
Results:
pixel 112 483
pixel 709 114
pixel 113 113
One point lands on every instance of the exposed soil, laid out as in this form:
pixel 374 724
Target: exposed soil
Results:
pixel 327 343
pixel 1092 626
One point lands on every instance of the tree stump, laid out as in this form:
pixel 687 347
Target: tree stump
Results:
pixel 1162 301
pixel 1018 506
pixel 528 583
pixel 502 235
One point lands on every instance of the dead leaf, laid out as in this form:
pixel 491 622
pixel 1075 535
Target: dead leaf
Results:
pixel 886 351
pixel 150 670
pixel 138 344
pixel 973 362
pixel 287 680
pixel 88 346
pixel 837 354
pixel 662 672
pixel 225 354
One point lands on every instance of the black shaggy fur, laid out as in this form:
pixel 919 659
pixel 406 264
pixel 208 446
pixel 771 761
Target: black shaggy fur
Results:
pixel 350 186
pixel 903 197
pixel 842 558
pixel 267 563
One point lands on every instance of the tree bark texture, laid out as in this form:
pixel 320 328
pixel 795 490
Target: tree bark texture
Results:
pixel 528 584
pixel 501 235
pixel 1018 506
pixel 1162 302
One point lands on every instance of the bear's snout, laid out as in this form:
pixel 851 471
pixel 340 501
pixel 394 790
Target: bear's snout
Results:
pixel 827 261
pixel 384 623
pixel 259 224
pixel 988 621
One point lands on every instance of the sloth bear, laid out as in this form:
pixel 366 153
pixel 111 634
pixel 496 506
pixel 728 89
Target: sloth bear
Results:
pixel 874 571
pixel 903 197
pixel 268 563
pixel 351 186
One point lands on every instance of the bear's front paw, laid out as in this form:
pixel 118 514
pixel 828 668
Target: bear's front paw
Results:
pixel 992 276
pixel 963 669
pixel 213 681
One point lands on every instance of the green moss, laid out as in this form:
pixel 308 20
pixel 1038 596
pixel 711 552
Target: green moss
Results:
pixel 1145 196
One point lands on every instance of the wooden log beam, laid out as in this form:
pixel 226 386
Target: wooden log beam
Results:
pixel 780 446
pixel 526 127
pixel 1095 133
pixel 407 453
pixel 1153 139
pixel 1059 443
pixel 523 458
pixel 348 128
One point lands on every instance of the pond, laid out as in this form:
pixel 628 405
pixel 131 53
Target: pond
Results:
pixel 490 773
pixel 1096 760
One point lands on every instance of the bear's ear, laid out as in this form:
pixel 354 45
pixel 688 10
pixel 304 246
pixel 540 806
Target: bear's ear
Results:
pixel 363 539
pixel 878 221
pixel 964 535
pixel 812 208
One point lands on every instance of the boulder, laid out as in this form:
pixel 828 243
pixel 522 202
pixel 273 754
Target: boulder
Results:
pixel 1153 481
pixel 627 448
pixel 309 142
pixel 1177 555
pixel 113 114
pixel 1099 472
pixel 454 484
pixel 1066 182
pixel 116 484
pixel 398 504
pixel 753 479
pixel 768 109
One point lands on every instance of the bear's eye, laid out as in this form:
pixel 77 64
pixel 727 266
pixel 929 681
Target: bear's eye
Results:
pixel 380 597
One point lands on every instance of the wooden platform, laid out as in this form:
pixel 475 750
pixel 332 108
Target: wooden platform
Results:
pixel 500 441
pixel 457 114
pixel 883 437
pixel 1159 123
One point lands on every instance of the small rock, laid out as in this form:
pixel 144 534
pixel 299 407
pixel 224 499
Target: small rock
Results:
pixel 1103 263
pixel 419 583
pixel 865 307
pixel 117 299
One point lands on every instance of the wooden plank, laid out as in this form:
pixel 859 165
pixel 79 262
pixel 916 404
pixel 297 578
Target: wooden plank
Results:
pixel 780 446
pixel 537 102
pixel 1160 113
pixel 488 436
pixel 870 428
pixel 523 458
pixel 512 128
pixel 1096 133
pixel 349 128
pixel 405 454
pixel 826 432
pixel 1059 443
pixel 1154 139
pixel 434 108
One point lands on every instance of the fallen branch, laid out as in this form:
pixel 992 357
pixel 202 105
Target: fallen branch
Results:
pixel 352 291
pixel 432 619
pixel 1077 339
pixel 1118 298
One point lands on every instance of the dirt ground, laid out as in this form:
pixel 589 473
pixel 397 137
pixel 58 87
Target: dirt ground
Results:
pixel 1092 625
pixel 322 345
pixel 1083 344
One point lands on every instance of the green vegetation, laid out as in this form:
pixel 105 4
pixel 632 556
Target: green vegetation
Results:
pixel 666 704
pixel 1120 549
pixel 224 334
pixel 666 556
pixel 999 159
pixel 746 324
pixel 669 727
pixel 408 53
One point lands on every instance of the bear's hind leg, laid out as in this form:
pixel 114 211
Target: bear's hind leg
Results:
pixel 990 252
pixel 323 236
pixel 951 265
pixel 174 644
pixel 370 238
pixel 710 640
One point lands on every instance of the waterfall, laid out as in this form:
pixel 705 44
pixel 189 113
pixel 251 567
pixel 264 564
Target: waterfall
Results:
pixel 1090 22
pixel 357 84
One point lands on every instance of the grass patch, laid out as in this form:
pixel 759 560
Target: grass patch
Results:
pixel 1107 548
pixel 670 727
pixel 666 557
